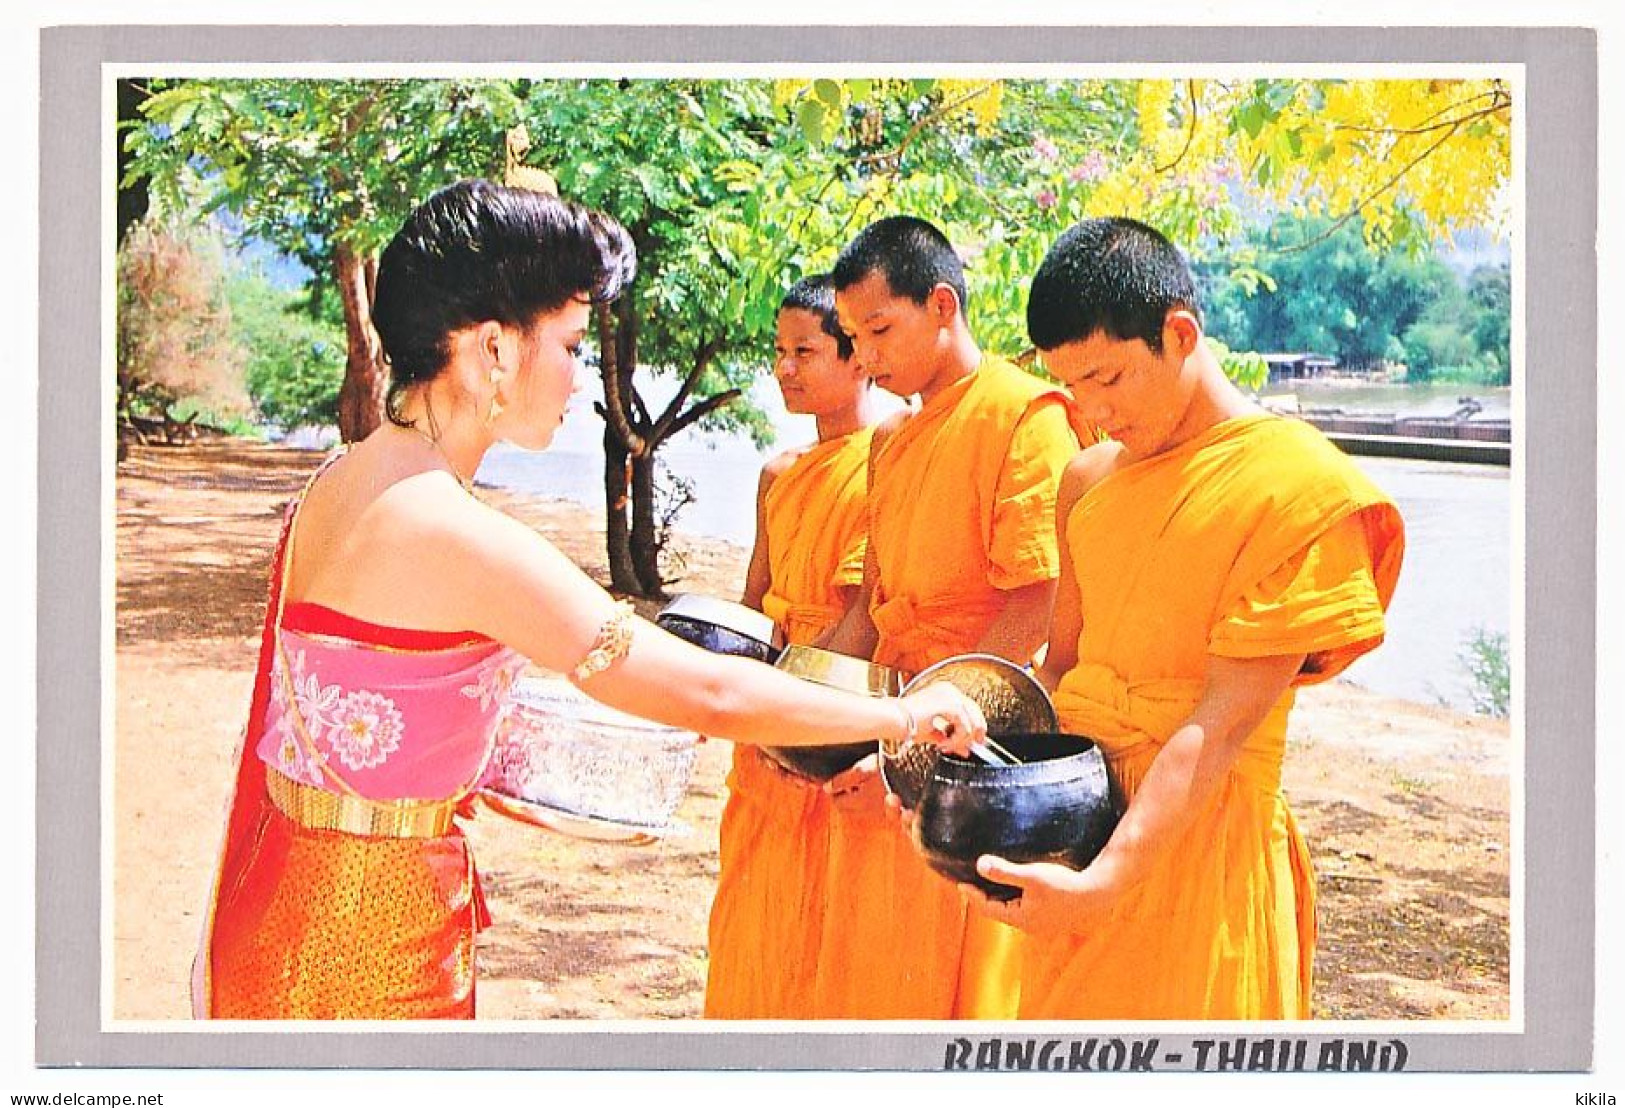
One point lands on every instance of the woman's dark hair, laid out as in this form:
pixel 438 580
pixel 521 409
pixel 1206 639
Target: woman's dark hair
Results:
pixel 913 255
pixel 816 294
pixel 476 251
pixel 1114 275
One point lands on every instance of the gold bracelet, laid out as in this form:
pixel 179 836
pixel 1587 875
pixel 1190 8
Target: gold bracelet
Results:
pixel 613 640
pixel 909 721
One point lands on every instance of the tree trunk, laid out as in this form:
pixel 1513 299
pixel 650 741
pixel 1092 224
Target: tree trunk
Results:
pixel 624 444
pixel 632 438
pixel 361 397
pixel 623 574
pixel 645 546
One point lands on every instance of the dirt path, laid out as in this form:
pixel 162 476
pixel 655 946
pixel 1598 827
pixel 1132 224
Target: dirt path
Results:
pixel 1405 806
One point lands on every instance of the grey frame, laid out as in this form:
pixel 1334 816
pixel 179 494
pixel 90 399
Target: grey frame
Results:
pixel 1560 443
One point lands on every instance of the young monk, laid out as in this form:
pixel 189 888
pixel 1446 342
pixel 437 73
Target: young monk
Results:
pixel 1218 557
pixel 805 568
pixel 962 559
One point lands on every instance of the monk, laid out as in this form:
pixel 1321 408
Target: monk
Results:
pixel 962 559
pixel 805 568
pixel 1217 557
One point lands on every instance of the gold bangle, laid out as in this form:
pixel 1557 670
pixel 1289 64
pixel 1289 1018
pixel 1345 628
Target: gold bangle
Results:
pixel 909 722
pixel 611 644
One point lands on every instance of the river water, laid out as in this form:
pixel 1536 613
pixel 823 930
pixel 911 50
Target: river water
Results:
pixel 1457 577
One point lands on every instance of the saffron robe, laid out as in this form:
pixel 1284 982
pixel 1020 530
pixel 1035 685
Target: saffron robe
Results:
pixel 962 506
pixel 1257 538
pixel 767 917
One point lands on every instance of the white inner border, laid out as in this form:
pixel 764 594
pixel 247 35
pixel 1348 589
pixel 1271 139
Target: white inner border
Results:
pixel 1513 73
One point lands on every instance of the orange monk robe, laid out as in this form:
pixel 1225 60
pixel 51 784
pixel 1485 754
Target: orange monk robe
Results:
pixel 1257 538
pixel 962 505
pixel 768 913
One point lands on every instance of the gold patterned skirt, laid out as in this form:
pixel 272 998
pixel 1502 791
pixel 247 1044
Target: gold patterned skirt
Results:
pixel 324 925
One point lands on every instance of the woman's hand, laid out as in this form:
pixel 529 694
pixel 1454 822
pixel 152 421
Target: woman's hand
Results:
pixel 945 716
pixel 1055 900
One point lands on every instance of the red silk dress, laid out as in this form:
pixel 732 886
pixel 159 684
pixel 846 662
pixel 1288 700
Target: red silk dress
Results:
pixel 308 920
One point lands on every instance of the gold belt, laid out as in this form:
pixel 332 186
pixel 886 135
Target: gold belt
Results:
pixel 320 810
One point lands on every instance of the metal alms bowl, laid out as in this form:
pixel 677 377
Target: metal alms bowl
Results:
pixel 561 750
pixel 720 626
pixel 839 671
pixel 1011 699
pixel 1058 805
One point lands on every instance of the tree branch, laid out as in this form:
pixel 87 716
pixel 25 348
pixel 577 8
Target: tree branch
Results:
pixel 703 409
pixel 1190 132
pixel 1369 197
pixel 665 426
pixel 895 156
pixel 812 206
pixel 1500 105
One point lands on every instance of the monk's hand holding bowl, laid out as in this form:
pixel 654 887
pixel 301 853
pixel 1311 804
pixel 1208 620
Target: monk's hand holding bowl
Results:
pixel 1055 899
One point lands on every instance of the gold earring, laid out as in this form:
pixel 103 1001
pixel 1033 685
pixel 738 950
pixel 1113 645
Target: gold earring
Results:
pixel 496 396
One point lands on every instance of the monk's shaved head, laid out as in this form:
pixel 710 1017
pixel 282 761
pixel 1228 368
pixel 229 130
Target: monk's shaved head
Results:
pixel 910 253
pixel 1111 275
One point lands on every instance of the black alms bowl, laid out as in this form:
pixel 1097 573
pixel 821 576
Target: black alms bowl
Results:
pixel 720 626
pixel 818 763
pixel 1057 806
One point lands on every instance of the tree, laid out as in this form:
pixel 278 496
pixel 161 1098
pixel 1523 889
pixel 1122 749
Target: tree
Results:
pixel 294 363
pixel 1407 162
pixel 132 191
pixel 1338 295
pixel 325 170
pixel 1489 290
pixel 174 326
pixel 656 156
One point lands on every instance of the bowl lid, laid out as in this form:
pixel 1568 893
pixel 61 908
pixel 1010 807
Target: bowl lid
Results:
pixel 720 613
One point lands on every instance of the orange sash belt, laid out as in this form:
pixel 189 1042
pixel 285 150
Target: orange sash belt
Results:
pixel 938 627
pixel 801 622
pixel 1134 719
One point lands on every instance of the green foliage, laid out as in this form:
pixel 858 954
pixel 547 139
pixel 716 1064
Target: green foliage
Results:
pixel 1340 296
pixel 1479 374
pixel 1489 291
pixel 733 188
pixel 1245 368
pixel 1464 336
pixel 1488 663
pixel 309 164
pixel 295 363
pixel 1336 296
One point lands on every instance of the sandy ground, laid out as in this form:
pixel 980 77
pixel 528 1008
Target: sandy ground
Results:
pixel 1405 806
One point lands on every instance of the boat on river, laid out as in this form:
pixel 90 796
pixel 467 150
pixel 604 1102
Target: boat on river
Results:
pixel 1466 435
